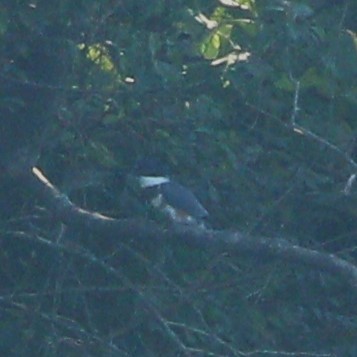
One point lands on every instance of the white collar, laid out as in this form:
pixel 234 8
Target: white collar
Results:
pixel 151 181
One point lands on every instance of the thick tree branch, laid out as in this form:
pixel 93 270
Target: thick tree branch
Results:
pixel 233 242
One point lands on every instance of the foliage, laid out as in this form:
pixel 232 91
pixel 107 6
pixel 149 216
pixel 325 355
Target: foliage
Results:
pixel 251 103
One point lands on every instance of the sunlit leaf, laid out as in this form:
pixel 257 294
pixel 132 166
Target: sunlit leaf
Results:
pixel 210 48
pixel 98 54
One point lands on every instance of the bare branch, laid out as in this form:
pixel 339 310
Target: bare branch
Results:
pixel 235 242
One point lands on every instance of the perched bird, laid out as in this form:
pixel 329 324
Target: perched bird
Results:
pixel 170 197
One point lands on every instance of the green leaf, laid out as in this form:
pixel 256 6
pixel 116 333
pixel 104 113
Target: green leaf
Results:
pixel 210 47
pixel 98 54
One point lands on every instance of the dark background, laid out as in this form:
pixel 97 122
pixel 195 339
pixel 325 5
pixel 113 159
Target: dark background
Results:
pixel 253 107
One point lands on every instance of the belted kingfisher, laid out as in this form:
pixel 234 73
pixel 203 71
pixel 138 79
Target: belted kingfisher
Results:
pixel 171 198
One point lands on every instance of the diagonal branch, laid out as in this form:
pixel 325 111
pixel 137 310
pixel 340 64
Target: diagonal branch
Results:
pixel 233 241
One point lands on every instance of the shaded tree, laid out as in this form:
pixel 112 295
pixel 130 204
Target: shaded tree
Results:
pixel 252 104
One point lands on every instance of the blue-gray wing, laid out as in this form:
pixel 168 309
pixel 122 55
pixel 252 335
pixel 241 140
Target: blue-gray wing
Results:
pixel 183 199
